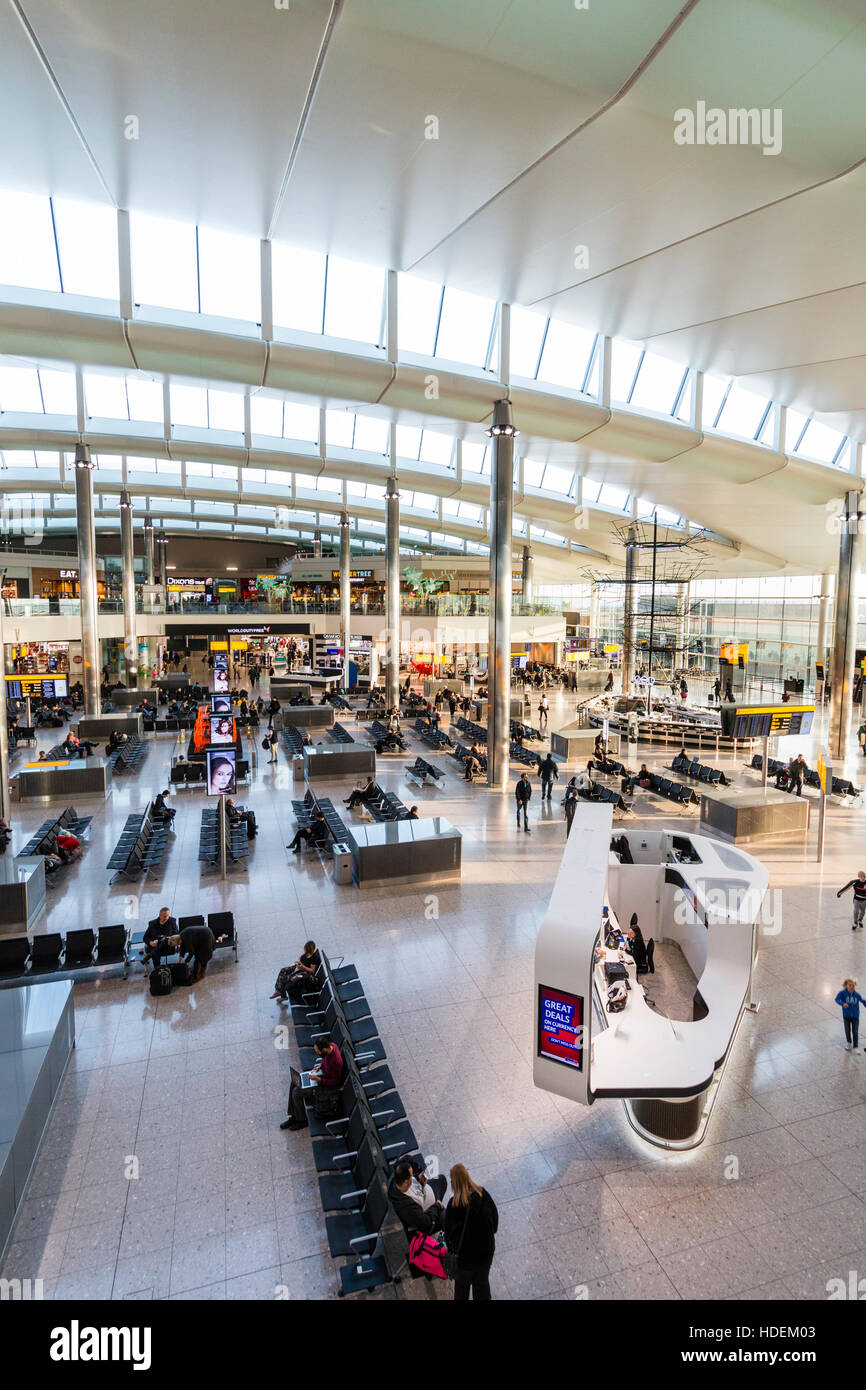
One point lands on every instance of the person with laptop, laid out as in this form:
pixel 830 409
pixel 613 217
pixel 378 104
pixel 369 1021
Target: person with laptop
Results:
pixel 328 1071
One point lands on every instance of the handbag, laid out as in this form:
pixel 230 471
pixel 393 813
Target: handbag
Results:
pixel 452 1260
pixel 326 1102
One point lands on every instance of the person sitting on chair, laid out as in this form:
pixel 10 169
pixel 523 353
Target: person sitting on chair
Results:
pixel 328 1071
pixel 315 833
pixel 160 811
pixel 417 1199
pixel 362 794
pixel 156 936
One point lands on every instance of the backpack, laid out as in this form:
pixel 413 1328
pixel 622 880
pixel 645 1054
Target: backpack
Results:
pixel 326 1102
pixel 160 980
pixel 427 1255
pixel 180 973
pixel 266 743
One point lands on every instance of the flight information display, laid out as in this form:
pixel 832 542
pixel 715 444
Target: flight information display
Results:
pixel 560 1027
pixel 766 721
pixel 49 687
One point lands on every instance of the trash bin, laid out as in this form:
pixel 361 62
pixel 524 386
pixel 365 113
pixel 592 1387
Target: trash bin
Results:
pixel 342 864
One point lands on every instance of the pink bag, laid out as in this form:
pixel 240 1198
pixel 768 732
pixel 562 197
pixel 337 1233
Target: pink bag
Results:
pixel 427 1255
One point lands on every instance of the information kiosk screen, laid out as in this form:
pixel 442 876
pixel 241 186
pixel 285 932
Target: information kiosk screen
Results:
pixel 560 1027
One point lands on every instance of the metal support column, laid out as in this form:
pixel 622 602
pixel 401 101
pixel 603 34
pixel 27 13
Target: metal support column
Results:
pixel 4 732
pixel 682 657
pixel 392 594
pixel 844 630
pixel 127 572
pixel 527 570
pixel 631 552
pixel 345 595
pixel 87 579
pixel 148 549
pixel 821 652
pixel 502 432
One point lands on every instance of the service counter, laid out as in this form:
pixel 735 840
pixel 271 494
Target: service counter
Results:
pixel 405 851
pixel 22 893
pixel 346 761
pixel 37 1034
pixel 308 716
pixel 99 727
pixel 69 780
pixel 577 746
pixel 128 699
pixel 290 690
pixel 755 813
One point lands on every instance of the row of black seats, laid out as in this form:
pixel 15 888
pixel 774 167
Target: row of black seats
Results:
pixel 293 739
pixel 354 1151
pixel 141 847
pixel 433 737
pixel 45 836
pixel 237 844
pixel 385 740
pixel 305 812
pixel 477 732
pixel 222 924
pixel 341 734
pixel 51 954
pixel 693 767
pixel 528 731
pixel 128 755
pixel 423 773
pixel 461 753
pixel 523 755
pixel 841 786
pixel 677 792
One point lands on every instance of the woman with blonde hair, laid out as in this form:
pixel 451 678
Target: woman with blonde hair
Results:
pixel 471 1222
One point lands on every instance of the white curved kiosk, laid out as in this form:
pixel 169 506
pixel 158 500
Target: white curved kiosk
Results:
pixel 703 895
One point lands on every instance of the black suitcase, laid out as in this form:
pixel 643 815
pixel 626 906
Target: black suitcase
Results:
pixel 180 973
pixel 614 971
pixel 160 980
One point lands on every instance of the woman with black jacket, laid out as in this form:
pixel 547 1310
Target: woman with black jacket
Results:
pixel 471 1222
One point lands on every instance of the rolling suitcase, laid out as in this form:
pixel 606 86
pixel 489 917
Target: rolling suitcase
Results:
pixel 160 980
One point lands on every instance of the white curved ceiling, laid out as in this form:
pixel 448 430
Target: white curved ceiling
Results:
pixel 723 257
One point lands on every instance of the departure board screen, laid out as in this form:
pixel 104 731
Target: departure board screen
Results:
pixel 766 721
pixel 50 688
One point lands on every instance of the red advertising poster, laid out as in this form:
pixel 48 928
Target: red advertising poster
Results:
pixel 560 1027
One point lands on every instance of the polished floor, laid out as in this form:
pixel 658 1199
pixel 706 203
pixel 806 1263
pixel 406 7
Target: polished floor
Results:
pixel 164 1173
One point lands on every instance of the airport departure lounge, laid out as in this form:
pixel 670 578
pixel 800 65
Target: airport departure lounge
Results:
pixel 432 663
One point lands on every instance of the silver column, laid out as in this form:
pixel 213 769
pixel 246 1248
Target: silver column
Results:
pixel 844 631
pixel 127 571
pixel 4 732
pixel 87 579
pixel 594 605
pixel 824 605
pixel 527 573
pixel 502 432
pixel 392 594
pixel 681 657
pixel 630 603
pixel 148 549
pixel 162 557
pixel 345 595
pixel 317 544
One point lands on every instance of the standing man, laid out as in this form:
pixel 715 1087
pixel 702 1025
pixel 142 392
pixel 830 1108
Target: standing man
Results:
pixel 270 741
pixel 548 771
pixel 195 944
pixel 543 712
pixel 522 795
pixel 859 886
pixel 798 767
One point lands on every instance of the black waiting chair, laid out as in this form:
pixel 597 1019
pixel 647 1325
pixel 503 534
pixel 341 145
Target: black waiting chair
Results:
pixel 111 945
pixel 79 947
pixel 14 951
pixel 45 953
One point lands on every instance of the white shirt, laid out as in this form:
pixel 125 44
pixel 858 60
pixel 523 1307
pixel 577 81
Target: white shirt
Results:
pixel 422 1194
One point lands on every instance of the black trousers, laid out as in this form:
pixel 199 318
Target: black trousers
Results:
pixel 474 1279
pixel 852 1030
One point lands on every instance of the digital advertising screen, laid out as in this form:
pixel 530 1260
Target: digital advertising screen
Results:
pixel 221 774
pixel 222 729
pixel 220 704
pixel 221 673
pixel 560 1027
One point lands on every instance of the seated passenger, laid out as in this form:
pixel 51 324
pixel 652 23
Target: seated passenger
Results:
pixel 328 1071
pixel 157 934
pixel 160 811
pixel 644 777
pixel 417 1200
pixel 315 833
pixel 69 846
pixel 365 793
pixel 292 980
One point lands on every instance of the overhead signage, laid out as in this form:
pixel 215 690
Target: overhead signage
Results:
pixel 766 721
pixel 248 631
pixel 735 652
pixel 19 687
pixel 560 1027
pixel 354 574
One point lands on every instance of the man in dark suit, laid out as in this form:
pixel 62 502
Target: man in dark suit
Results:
pixel 156 936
